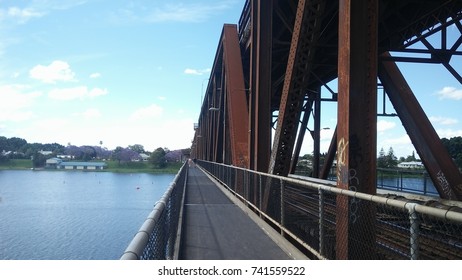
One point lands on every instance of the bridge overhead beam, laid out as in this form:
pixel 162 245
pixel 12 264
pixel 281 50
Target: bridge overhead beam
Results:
pixel 443 171
pixel 357 126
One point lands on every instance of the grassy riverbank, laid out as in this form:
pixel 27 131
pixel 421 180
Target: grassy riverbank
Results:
pixel 112 166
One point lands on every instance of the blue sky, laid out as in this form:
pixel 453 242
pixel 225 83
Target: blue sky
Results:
pixel 133 72
pixel 121 72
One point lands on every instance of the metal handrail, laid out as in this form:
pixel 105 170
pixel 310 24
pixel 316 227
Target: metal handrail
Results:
pixel 157 238
pixel 317 200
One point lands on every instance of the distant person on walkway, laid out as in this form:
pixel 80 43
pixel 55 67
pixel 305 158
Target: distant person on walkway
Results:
pixel 191 163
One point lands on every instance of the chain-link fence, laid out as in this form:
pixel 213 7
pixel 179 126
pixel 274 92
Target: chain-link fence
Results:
pixel 157 239
pixel 330 223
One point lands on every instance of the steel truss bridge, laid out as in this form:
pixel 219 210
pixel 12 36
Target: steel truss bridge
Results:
pixel 265 85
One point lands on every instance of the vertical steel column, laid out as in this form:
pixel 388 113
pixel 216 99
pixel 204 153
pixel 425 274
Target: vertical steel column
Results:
pixel 260 85
pixel 317 133
pixel 444 173
pixel 357 126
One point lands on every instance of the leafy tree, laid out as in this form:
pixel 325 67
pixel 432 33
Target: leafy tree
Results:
pixel 392 160
pixel 124 155
pixel 38 160
pixel 382 159
pixel 3 159
pixel 137 148
pixel 411 157
pixel 173 156
pixel 102 153
pixel 157 158
pixel 387 161
pixel 454 147
pixel 74 151
pixel 88 153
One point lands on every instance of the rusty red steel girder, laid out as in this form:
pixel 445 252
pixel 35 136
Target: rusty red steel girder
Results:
pixel 222 132
pixel 441 168
pixel 306 31
pixel 260 85
pixel 237 111
pixel 357 126
pixel 265 68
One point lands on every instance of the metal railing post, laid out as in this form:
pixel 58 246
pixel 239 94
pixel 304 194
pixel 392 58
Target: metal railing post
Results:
pixel 260 193
pixel 282 206
pixel 414 230
pixel 321 219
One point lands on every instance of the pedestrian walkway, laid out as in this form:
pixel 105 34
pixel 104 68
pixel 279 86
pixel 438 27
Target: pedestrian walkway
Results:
pixel 215 228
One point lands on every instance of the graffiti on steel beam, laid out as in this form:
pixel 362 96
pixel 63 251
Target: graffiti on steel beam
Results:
pixel 443 182
pixel 342 149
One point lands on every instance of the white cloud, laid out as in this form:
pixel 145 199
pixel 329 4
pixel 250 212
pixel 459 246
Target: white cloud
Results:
pixel 450 93
pixel 58 70
pixel 21 15
pixel 385 125
pixel 185 11
pixel 191 12
pixel 443 120
pixel 81 92
pixel 95 75
pixel 190 71
pixel 89 114
pixel 15 102
pixel 147 112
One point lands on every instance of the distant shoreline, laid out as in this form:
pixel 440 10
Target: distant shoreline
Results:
pixel 112 166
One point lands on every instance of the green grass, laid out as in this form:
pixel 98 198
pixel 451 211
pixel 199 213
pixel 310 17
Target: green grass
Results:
pixel 16 164
pixel 140 167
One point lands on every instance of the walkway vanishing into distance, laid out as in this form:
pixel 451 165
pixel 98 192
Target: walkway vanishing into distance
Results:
pixel 216 227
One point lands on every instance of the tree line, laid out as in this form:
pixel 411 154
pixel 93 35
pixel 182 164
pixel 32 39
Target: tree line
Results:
pixel 390 160
pixel 453 146
pixel 18 148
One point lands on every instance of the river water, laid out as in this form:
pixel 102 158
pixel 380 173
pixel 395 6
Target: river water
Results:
pixel 60 215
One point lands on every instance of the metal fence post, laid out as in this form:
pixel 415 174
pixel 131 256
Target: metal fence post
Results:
pixel 414 230
pixel 282 206
pixel 321 219
pixel 260 193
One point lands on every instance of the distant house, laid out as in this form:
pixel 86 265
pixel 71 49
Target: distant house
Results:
pixel 76 165
pixel 64 156
pixel 53 162
pixel 45 153
pixel 411 165
pixel 144 157
pixel 57 163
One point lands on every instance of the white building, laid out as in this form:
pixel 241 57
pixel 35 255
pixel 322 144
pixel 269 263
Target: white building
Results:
pixel 411 165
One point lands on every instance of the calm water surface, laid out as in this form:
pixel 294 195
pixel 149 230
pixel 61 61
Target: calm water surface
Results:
pixel 62 215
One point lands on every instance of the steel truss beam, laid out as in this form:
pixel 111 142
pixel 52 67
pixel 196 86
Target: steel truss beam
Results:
pixel 302 51
pixel 444 173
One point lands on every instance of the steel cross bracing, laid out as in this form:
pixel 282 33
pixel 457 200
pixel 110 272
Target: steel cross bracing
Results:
pixel 290 49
